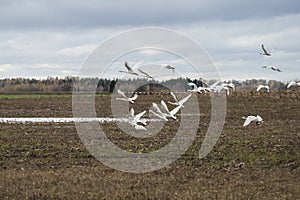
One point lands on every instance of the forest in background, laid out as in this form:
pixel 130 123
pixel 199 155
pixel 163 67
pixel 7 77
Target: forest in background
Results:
pixel 66 84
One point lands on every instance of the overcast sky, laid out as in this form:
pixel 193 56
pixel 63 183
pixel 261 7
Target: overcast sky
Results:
pixel 53 38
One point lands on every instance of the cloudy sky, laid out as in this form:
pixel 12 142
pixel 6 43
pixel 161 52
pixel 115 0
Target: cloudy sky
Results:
pixel 53 38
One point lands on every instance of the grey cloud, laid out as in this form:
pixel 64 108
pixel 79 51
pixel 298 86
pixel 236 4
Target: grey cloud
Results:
pixel 80 14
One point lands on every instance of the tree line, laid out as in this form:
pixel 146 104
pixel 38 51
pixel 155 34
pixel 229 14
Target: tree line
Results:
pixel 100 85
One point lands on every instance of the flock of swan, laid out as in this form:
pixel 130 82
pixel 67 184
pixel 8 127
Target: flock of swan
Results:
pixel 162 111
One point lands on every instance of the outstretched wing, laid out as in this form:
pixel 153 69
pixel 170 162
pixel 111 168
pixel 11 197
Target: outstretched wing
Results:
pixel 144 73
pixel 175 110
pixel 248 120
pixel 156 108
pixel 291 84
pixel 122 94
pixel 174 97
pixel 263 48
pixel 259 88
pixel 164 106
pixel 138 116
pixel 158 115
pixel 129 69
pixel 182 101
pixel 134 97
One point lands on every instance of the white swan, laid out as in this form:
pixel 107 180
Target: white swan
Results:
pixel 168 66
pixel 250 119
pixel 135 119
pixel 158 112
pixel 263 87
pixel 130 70
pixel 171 113
pixel 292 83
pixel 163 115
pixel 272 68
pixel 179 103
pixel 224 86
pixel 125 98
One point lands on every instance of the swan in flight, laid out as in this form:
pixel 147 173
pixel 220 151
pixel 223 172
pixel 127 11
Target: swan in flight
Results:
pixel 250 119
pixel 179 103
pixel 168 66
pixel 224 86
pixel 171 113
pixel 197 89
pixel 167 114
pixel 125 98
pixel 134 120
pixel 272 68
pixel 157 112
pixel 146 74
pixel 265 52
pixel 263 87
pixel 293 83
pixel 130 70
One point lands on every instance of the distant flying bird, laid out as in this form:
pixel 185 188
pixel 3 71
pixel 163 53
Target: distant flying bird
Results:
pixel 250 119
pixel 130 70
pixel 125 98
pixel 292 83
pixel 146 74
pixel 263 87
pixel 136 119
pixel 179 103
pixel 272 68
pixel 265 52
pixel 168 66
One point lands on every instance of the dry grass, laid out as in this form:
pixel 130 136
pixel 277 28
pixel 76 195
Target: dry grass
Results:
pixel 48 161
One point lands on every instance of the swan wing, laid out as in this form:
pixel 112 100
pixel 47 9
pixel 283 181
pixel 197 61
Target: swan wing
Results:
pixel 263 48
pixel 182 101
pixel 122 94
pixel 134 97
pixel 164 105
pixel 248 120
pixel 138 116
pixel 174 97
pixel 259 87
pixel 144 72
pixel 175 110
pixel 129 69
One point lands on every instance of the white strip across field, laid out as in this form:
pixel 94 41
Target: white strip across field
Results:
pixel 60 120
